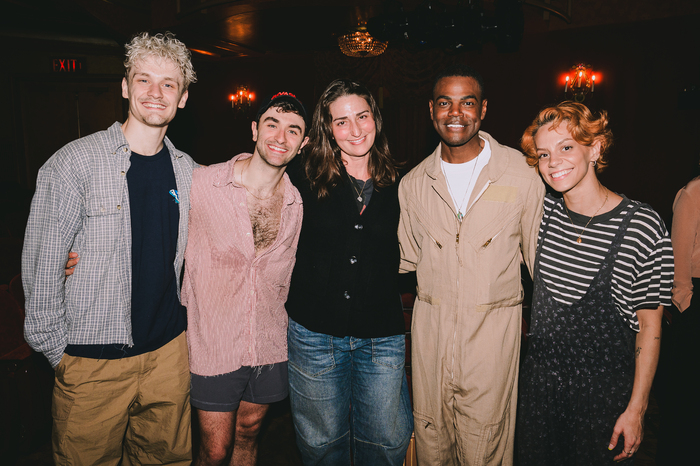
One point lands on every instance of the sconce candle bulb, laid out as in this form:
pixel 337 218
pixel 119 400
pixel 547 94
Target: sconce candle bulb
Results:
pixel 579 82
pixel 242 100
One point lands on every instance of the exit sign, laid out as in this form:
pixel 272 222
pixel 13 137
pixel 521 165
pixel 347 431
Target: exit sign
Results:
pixel 68 65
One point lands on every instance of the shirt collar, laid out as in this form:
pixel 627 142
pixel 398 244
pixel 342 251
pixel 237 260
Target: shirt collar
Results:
pixel 494 168
pixel 119 144
pixel 224 177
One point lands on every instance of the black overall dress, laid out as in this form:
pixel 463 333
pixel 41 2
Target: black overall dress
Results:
pixel 577 376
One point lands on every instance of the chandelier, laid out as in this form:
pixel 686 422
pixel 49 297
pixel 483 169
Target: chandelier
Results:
pixel 360 44
pixel 580 81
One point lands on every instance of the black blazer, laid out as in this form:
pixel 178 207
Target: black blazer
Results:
pixel 346 281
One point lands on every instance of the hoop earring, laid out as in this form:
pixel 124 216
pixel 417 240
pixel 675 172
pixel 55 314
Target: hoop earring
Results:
pixel 595 162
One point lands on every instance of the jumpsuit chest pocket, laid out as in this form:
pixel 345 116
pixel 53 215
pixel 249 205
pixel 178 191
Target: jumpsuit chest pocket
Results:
pixel 499 210
pixel 496 249
pixel 433 235
pixel 497 231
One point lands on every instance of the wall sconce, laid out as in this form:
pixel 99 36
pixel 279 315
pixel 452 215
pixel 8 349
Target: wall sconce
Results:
pixel 242 100
pixel 580 81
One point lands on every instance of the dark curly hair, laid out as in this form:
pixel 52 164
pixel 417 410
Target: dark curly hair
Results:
pixel 460 70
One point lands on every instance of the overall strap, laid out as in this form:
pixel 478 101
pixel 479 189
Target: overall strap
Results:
pixel 619 236
pixel 544 227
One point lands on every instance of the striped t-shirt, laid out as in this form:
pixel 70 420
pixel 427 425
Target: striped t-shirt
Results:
pixel 643 270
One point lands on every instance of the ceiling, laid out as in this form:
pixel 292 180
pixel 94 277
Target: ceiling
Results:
pixel 226 29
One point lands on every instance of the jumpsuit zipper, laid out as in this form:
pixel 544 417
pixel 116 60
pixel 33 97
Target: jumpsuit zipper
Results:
pixel 459 259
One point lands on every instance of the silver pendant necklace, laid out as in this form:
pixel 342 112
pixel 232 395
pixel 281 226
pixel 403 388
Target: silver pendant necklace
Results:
pixel 360 192
pixel 460 215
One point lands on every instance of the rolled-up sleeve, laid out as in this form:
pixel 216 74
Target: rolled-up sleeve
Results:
pixel 686 221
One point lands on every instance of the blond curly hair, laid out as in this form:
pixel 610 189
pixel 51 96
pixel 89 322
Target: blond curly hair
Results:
pixel 163 45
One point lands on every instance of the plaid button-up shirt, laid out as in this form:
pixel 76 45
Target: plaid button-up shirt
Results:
pixel 81 204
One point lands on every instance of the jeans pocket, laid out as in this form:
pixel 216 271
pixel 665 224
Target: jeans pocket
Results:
pixel 310 353
pixel 389 351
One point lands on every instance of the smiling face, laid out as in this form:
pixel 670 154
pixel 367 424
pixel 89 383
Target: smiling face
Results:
pixel 279 136
pixel 353 125
pixel 565 165
pixel 457 110
pixel 155 91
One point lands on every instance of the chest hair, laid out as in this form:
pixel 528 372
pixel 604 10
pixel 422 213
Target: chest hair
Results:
pixel 265 219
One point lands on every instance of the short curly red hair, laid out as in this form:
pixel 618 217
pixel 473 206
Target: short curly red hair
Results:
pixel 585 128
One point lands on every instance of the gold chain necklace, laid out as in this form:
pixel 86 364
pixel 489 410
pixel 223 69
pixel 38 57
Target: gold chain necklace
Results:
pixel 579 240
pixel 256 197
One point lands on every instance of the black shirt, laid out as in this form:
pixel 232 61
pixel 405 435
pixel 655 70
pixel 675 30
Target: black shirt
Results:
pixel 346 281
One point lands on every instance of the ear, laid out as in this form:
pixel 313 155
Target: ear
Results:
pixel 254 128
pixel 125 88
pixel 430 105
pixel 595 150
pixel 306 140
pixel 484 104
pixel 183 99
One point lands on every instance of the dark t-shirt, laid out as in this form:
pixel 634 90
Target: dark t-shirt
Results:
pixel 157 316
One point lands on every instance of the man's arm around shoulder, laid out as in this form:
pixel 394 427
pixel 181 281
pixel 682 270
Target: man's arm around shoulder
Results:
pixel 408 245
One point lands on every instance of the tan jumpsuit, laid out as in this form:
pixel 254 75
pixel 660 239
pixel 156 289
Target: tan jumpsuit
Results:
pixel 467 317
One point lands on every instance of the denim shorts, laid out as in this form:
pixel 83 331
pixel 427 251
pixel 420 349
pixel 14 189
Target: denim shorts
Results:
pixel 223 393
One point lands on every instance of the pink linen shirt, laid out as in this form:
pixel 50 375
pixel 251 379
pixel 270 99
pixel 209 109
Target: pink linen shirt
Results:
pixel 235 300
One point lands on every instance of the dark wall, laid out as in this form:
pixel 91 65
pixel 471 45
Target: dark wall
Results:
pixel 41 110
pixel 209 130
pixel 642 69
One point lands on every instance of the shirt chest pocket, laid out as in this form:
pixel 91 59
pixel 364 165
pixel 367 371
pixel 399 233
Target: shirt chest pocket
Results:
pixel 103 223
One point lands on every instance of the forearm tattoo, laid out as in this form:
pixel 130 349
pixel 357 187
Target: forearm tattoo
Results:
pixel 637 352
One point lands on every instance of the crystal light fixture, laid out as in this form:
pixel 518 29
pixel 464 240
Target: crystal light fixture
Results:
pixel 361 44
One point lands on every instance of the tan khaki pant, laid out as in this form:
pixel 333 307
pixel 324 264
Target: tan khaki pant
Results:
pixel 135 410
pixel 465 369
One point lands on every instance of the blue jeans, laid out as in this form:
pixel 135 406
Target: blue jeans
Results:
pixel 349 393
